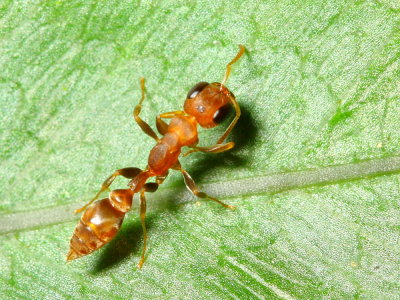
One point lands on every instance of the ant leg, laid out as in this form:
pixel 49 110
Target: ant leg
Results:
pixel 142 124
pixel 160 179
pixel 234 121
pixel 125 172
pixel 218 148
pixel 171 114
pixel 162 127
pixel 142 220
pixel 148 187
pixel 191 185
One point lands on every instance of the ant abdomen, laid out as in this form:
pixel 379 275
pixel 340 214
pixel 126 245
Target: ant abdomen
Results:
pixel 100 223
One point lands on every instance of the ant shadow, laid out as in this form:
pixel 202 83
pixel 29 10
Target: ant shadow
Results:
pixel 129 238
pixel 244 132
pixel 127 241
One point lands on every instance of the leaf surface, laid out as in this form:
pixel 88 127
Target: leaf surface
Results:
pixel 314 174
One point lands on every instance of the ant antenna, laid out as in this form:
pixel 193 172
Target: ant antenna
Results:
pixel 228 66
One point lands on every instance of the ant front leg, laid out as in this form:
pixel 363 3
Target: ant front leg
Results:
pixel 234 121
pixel 148 187
pixel 142 124
pixel 218 148
pixel 191 185
pixel 162 127
pixel 125 172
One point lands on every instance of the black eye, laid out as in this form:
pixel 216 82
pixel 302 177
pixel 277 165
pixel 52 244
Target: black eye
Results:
pixel 221 114
pixel 194 91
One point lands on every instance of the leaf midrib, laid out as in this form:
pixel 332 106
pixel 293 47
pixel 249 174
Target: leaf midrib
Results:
pixel 274 183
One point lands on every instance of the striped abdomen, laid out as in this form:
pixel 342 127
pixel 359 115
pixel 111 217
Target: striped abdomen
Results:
pixel 100 223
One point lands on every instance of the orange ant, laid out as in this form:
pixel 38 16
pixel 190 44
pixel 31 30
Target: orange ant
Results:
pixel 206 105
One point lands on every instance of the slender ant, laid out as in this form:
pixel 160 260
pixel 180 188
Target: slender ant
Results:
pixel 207 105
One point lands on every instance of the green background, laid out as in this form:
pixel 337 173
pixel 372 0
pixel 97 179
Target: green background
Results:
pixel 318 86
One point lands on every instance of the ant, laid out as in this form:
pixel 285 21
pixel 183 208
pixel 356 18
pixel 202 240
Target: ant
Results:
pixel 206 104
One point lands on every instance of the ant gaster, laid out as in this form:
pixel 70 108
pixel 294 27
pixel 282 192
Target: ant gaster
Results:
pixel 206 105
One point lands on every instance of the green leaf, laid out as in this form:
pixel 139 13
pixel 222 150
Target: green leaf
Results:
pixel 314 175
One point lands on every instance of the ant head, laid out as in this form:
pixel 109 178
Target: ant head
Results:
pixel 209 103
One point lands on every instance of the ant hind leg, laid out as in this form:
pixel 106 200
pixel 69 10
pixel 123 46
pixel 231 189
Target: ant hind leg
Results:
pixel 148 187
pixel 191 185
pixel 125 172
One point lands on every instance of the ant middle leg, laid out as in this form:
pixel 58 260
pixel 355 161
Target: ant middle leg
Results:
pixel 142 124
pixel 125 172
pixel 191 185
pixel 148 187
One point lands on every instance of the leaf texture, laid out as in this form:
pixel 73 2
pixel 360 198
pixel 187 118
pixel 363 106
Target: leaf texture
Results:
pixel 314 174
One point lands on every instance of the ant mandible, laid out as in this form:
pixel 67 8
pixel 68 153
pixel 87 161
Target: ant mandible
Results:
pixel 206 105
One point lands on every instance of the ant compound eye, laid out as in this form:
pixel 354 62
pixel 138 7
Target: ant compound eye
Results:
pixel 194 91
pixel 221 114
